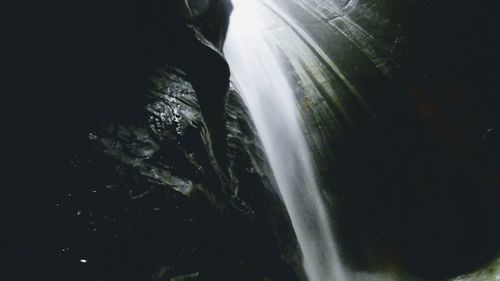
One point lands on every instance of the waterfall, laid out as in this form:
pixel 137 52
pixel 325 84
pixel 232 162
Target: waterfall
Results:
pixel 263 84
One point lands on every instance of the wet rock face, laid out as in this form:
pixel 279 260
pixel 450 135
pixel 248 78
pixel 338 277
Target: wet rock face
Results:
pixel 412 165
pixel 414 177
pixel 151 190
pixel 149 168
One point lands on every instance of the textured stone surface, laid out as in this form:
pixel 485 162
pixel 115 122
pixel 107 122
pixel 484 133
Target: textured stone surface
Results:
pixel 397 100
pixel 144 164
pixel 104 184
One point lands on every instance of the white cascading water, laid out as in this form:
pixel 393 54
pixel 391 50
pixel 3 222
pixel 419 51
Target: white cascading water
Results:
pixel 263 84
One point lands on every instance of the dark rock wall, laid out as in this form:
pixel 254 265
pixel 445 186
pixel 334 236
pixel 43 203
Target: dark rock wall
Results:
pixel 402 116
pixel 129 158
pixel 133 159
pixel 414 173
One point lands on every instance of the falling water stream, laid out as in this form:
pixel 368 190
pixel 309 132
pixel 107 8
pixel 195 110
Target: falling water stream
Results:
pixel 263 84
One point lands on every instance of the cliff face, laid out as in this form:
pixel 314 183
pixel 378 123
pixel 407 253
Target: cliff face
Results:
pixel 152 190
pixel 130 158
pixel 398 99
pixel 150 168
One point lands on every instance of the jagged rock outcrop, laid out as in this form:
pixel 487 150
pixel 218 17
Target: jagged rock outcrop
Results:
pixel 158 176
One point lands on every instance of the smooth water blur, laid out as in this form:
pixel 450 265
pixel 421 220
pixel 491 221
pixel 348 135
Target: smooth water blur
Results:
pixel 263 84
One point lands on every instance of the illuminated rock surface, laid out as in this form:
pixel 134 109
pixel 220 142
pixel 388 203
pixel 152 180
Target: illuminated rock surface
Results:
pixel 131 161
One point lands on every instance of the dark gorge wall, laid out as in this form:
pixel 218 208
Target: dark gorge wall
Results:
pixel 400 103
pixel 133 158
pixel 415 176
pixel 130 158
